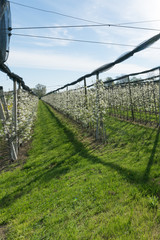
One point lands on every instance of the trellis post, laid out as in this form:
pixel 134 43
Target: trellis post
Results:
pixel 159 97
pixel 67 98
pixel 19 86
pixel 131 101
pixel 4 115
pixel 97 106
pixel 15 114
pixel 18 112
pixel 85 91
pixel 4 102
pixel 85 86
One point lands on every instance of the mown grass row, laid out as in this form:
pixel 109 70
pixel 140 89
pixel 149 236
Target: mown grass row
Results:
pixel 72 189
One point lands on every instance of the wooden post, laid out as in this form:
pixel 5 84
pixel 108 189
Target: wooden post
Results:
pixel 67 98
pixel 4 115
pixel 4 102
pixel 85 87
pixel 97 103
pixel 85 91
pixel 19 86
pixel 18 112
pixel 159 97
pixel 130 96
pixel 15 113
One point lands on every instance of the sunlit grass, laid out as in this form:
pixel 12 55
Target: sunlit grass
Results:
pixel 71 189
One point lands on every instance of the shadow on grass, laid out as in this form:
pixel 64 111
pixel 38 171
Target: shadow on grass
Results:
pixel 58 169
pixel 134 177
pixel 151 159
pixel 55 171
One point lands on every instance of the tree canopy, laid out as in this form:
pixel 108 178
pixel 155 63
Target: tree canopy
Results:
pixel 40 90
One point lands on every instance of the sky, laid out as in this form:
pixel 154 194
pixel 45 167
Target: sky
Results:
pixel 55 63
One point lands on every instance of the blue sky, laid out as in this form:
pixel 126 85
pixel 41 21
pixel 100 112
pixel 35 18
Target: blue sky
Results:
pixel 55 63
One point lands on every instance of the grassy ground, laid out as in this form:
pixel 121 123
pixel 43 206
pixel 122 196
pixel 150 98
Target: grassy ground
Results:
pixel 71 189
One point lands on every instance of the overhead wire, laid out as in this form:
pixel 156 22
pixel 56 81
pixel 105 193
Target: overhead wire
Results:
pixel 54 12
pixel 76 40
pixel 70 39
pixel 79 40
pixel 139 22
pixel 97 24
pixel 78 18
pixel 84 26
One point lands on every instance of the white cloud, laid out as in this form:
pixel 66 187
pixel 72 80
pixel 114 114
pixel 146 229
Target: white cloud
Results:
pixel 151 55
pixel 53 33
pixel 133 10
pixel 145 9
pixel 126 68
pixel 116 11
pixel 42 60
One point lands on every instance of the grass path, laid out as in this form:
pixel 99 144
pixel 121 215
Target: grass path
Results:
pixel 69 190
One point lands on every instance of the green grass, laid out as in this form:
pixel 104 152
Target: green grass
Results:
pixel 71 189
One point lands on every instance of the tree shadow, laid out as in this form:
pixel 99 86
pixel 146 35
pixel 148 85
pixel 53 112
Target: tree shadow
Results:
pixel 134 177
pixel 151 159
pixel 55 170
pixel 58 169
